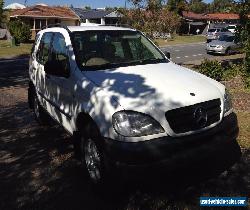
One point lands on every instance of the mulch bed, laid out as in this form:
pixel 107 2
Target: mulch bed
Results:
pixel 240 97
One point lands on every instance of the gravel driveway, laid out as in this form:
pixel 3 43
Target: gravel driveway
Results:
pixel 38 170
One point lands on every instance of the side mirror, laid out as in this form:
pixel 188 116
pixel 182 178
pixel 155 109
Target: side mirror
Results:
pixel 167 54
pixel 57 68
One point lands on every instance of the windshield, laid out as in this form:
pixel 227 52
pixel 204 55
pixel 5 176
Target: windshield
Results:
pixel 231 27
pixel 211 30
pixel 109 49
pixel 226 38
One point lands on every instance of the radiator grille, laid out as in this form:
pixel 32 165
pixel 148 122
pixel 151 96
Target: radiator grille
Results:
pixel 187 118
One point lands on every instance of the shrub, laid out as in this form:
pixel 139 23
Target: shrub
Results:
pixel 232 71
pixel 212 69
pixel 20 31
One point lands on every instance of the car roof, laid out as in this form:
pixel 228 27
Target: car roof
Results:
pixel 85 28
pixel 98 28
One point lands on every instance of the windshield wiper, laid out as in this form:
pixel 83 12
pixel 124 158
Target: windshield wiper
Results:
pixel 153 60
pixel 132 63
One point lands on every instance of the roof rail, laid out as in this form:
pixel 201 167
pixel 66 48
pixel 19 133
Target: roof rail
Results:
pixel 118 25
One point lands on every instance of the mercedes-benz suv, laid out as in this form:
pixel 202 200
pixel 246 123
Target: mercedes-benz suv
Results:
pixel 126 104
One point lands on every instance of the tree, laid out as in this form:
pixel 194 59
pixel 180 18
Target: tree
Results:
pixel 136 3
pixel 2 15
pixel 87 7
pixel 221 6
pixel 197 6
pixel 243 34
pixel 19 30
pixel 153 19
pixel 177 6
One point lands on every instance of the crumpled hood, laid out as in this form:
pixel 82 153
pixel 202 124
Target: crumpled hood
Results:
pixel 164 85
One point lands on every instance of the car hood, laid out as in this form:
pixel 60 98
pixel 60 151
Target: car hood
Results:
pixel 217 42
pixel 162 86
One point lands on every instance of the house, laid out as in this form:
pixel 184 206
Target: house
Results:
pixel 192 22
pixel 98 16
pixel 40 16
pixel 209 20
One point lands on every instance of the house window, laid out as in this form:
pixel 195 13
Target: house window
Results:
pixel 37 25
pixel 98 21
pixel 40 23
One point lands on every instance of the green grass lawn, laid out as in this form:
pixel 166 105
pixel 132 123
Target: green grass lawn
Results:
pixel 6 50
pixel 181 40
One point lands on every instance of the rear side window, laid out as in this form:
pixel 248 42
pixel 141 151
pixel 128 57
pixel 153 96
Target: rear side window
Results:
pixel 44 48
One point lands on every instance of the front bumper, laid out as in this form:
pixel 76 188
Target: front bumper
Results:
pixel 216 147
pixel 214 50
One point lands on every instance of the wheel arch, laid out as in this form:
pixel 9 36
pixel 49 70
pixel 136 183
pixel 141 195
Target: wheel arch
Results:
pixel 83 121
pixel 31 92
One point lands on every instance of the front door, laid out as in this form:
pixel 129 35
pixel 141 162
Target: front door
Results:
pixel 60 83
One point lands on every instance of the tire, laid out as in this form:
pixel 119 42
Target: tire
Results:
pixel 227 52
pixel 40 114
pixel 92 159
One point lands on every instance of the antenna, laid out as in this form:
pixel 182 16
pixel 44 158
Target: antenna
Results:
pixel 25 2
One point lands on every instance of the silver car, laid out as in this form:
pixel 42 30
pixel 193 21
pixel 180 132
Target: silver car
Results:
pixel 226 44
pixel 215 33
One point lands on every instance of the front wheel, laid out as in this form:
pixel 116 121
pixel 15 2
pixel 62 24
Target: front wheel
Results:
pixel 40 114
pixel 92 161
pixel 228 51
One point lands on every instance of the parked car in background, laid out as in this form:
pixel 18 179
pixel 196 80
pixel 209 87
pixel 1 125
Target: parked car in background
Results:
pixel 226 44
pixel 231 28
pixel 215 33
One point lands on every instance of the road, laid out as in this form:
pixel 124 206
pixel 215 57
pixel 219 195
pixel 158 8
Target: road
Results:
pixel 187 52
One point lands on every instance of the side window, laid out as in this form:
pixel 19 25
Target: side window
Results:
pixel 44 48
pixel 34 44
pixel 139 51
pixel 59 53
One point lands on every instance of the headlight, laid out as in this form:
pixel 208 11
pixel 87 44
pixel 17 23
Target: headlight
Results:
pixel 134 124
pixel 219 46
pixel 227 102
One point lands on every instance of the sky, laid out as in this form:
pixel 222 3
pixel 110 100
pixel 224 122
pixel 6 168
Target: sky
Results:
pixel 77 3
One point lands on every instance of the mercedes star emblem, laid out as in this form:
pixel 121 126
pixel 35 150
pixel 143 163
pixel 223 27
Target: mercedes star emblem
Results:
pixel 200 117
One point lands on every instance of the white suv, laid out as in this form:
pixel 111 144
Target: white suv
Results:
pixel 126 104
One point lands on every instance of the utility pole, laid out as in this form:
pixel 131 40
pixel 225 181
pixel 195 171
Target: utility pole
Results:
pixel 25 2
pixel 125 4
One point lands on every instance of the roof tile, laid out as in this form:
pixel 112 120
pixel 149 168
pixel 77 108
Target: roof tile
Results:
pixel 45 11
